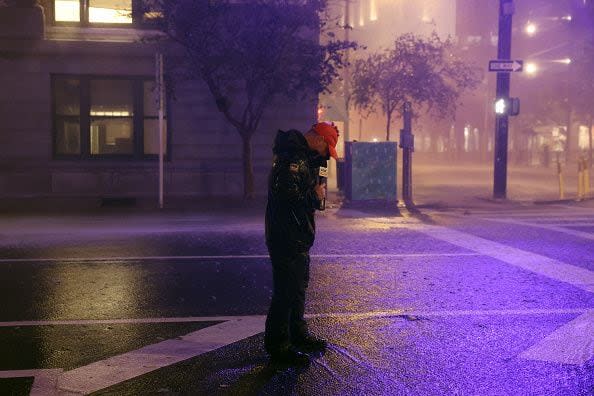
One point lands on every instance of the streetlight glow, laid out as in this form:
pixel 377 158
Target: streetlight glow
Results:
pixel 531 68
pixel 567 61
pixel 567 18
pixel 530 29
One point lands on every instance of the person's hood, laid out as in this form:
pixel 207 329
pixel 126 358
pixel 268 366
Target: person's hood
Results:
pixel 289 143
pixel 292 143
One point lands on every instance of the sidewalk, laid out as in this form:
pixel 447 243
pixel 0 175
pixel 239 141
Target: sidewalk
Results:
pixel 467 186
pixel 440 186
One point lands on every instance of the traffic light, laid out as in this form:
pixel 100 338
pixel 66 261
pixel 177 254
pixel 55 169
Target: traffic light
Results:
pixel 509 107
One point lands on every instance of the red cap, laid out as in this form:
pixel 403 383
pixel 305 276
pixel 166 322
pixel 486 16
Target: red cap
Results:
pixel 330 133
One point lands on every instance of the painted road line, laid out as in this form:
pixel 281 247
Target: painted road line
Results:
pixel 44 380
pixel 581 234
pixel 572 343
pixel 572 215
pixel 563 223
pixel 111 371
pixel 542 265
pixel 329 315
pixel 227 257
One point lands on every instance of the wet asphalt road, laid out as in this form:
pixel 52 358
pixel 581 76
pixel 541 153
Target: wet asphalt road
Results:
pixel 494 301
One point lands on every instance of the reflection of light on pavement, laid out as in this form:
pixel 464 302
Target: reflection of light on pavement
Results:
pixel 67 295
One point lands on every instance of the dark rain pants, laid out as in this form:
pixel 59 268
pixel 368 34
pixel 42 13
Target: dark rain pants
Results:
pixel 285 320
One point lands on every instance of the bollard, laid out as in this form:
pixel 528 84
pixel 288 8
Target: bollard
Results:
pixel 580 179
pixel 560 175
pixel 586 168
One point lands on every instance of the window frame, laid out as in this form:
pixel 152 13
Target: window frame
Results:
pixel 137 21
pixel 85 117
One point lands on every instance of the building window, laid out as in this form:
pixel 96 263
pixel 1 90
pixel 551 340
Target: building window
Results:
pixel 112 117
pixel 105 12
pixel 96 117
pixel 67 116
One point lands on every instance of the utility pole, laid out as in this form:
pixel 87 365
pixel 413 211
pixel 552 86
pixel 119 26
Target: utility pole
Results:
pixel 506 11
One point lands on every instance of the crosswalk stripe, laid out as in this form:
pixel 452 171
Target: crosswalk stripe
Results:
pixel 572 343
pixel 568 231
pixel 579 277
pixel 111 371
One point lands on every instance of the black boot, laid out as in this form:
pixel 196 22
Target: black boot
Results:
pixel 289 357
pixel 309 343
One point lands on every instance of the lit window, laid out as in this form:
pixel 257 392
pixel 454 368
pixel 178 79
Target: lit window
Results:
pixel 96 117
pixel 111 113
pixel 106 12
pixel 110 11
pixel 67 10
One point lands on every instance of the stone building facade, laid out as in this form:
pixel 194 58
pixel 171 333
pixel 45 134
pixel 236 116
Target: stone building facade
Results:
pixel 78 119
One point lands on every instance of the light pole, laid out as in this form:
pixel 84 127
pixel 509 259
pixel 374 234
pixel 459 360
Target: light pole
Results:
pixel 506 11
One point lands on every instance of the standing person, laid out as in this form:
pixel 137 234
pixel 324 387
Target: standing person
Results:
pixel 294 193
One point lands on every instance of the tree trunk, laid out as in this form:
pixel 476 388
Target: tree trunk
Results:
pixel 389 116
pixel 248 167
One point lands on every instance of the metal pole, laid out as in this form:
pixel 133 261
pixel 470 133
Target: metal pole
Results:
pixel 407 144
pixel 347 72
pixel 161 95
pixel 506 10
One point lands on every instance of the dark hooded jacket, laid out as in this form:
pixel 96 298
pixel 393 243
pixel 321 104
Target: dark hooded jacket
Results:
pixel 292 201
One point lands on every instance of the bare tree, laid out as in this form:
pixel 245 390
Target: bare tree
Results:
pixel 251 53
pixel 424 71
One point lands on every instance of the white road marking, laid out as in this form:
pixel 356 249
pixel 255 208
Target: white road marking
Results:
pixel 111 371
pixel 563 223
pixel 227 257
pixel 114 370
pixel 556 228
pixel 572 343
pixel 44 380
pixel 542 265
pixel 532 213
pixel 332 315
